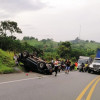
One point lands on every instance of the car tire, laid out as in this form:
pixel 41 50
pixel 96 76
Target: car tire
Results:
pixel 25 54
pixel 41 65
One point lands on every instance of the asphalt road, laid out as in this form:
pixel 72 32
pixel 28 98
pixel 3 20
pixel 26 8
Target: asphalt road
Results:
pixel 72 86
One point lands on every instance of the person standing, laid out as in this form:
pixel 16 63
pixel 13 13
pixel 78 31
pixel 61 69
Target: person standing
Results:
pixel 56 66
pixel 82 67
pixel 16 59
pixel 62 65
pixel 68 63
pixel 76 65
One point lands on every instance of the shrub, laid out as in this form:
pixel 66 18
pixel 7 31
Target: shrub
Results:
pixel 5 70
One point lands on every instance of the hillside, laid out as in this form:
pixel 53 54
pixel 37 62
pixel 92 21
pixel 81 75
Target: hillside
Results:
pixel 50 45
pixel 47 45
pixel 91 45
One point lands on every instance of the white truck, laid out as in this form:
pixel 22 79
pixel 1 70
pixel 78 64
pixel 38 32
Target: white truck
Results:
pixel 83 59
pixel 95 66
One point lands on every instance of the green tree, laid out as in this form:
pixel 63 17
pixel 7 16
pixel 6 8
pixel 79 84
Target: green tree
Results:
pixel 64 49
pixel 4 26
pixel 1 31
pixel 10 26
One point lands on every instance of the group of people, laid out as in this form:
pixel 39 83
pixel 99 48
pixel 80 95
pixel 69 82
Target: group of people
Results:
pixel 61 65
pixel 67 66
pixel 84 67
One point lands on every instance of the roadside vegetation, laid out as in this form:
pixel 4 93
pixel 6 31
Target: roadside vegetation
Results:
pixel 68 49
pixel 47 49
pixel 6 62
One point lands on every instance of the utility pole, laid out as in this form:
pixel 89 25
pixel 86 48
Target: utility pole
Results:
pixel 80 32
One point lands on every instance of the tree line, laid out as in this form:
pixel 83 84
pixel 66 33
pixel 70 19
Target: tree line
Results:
pixel 46 48
pixel 10 43
pixel 62 50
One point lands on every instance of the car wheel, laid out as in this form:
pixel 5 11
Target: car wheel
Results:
pixel 25 54
pixel 41 65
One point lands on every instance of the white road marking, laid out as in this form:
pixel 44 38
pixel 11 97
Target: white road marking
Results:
pixel 21 80
pixel 39 77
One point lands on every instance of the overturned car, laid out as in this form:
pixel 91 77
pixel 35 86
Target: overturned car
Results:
pixel 33 63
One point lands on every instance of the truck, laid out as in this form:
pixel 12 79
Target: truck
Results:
pixel 33 63
pixel 95 65
pixel 83 59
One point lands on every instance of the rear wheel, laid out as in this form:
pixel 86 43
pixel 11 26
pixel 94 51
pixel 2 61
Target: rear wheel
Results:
pixel 41 66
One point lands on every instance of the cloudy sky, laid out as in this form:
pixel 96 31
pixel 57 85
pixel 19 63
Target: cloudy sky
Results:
pixel 60 20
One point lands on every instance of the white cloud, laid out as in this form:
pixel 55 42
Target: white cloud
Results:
pixel 20 5
pixel 9 8
pixel 60 19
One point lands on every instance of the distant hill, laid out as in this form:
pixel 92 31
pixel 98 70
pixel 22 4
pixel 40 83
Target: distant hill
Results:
pixel 45 44
pixel 78 43
pixel 49 45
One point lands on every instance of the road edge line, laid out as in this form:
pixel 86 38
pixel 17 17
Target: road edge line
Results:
pixel 22 80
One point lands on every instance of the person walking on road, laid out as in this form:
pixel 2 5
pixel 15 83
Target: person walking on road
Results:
pixel 56 66
pixel 68 63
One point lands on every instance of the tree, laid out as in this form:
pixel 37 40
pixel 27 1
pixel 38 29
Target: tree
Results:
pixel 10 26
pixel 13 27
pixel 4 26
pixel 64 49
pixel 87 40
pixel 1 31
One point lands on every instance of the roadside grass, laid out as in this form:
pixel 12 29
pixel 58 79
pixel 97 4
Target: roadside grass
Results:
pixel 5 69
pixel 6 58
pixel 7 63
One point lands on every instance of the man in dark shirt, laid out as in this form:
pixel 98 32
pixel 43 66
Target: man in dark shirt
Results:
pixel 68 63
pixel 82 67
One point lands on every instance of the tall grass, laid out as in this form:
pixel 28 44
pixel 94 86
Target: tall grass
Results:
pixel 6 62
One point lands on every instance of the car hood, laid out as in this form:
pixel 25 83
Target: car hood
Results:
pixel 91 65
pixel 95 64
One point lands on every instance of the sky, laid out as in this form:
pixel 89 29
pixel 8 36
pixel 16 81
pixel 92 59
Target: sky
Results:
pixel 60 20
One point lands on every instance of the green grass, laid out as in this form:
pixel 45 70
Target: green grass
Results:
pixel 6 62
pixel 6 58
pixel 6 70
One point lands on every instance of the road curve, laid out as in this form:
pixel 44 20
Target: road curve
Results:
pixel 63 87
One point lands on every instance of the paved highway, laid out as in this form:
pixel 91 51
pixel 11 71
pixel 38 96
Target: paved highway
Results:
pixel 72 86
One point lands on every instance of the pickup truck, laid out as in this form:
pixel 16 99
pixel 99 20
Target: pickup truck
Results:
pixel 32 63
pixel 83 59
pixel 95 66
